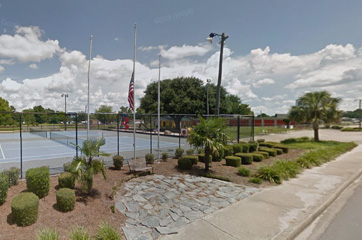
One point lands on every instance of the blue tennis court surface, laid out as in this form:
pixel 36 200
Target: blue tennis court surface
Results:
pixel 41 148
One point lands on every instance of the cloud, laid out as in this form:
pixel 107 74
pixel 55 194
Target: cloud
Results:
pixel 116 39
pixel 2 69
pixel 26 45
pixel 177 52
pixel 263 82
pixel 33 66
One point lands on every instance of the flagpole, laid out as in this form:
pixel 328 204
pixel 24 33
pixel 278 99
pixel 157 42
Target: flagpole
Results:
pixel 90 56
pixel 134 93
pixel 158 107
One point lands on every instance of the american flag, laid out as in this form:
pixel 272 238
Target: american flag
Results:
pixel 131 93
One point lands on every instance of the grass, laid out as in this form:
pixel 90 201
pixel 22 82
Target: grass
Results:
pixel 79 233
pixel 47 234
pixel 106 232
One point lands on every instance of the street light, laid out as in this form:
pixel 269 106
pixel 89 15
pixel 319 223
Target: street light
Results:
pixel 65 104
pixel 222 38
pixel 207 96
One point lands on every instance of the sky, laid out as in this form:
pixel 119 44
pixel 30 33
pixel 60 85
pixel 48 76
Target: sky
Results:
pixel 277 50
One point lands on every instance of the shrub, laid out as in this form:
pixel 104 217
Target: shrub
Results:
pixel 255 180
pixel 257 157
pixel 272 152
pixel 66 180
pixel 270 174
pixel 242 171
pixel 65 199
pixel 67 167
pixel 260 140
pixel 150 158
pixel 253 147
pixel 13 174
pixel 79 233
pixel 229 151
pixel 267 144
pixel 237 148
pixel 117 162
pixel 184 164
pixel 279 151
pixel 97 166
pixel 202 157
pixel 283 147
pixel 220 156
pixel 164 156
pixel 38 181
pixel 107 232
pixel 179 152
pixel 47 234
pixel 200 150
pixel 209 175
pixel 24 208
pixel 289 140
pixel 4 186
pixel 245 147
pixel 190 151
pixel 233 161
pixel 287 169
pixel 246 158
pixel 265 154
pixel 194 159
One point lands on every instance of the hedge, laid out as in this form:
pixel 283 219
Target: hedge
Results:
pixel 179 152
pixel 117 162
pixel 229 151
pixel 265 154
pixel 271 151
pixel 233 161
pixel 184 164
pixel 237 148
pixel 267 144
pixel 283 147
pixel 279 151
pixel 220 156
pixel 38 181
pixel 4 186
pixel 24 208
pixel 246 158
pixel 257 157
pixel 66 180
pixel 202 157
pixel 194 159
pixel 253 147
pixel 65 199
pixel 13 174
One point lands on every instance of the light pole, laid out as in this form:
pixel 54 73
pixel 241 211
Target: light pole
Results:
pixel 65 111
pixel 222 38
pixel 207 96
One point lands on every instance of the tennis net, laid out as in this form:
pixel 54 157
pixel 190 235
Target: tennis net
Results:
pixel 38 132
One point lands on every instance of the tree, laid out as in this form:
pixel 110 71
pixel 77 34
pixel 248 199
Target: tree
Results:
pixel 125 110
pixel 105 116
pixel 85 167
pixel 40 118
pixel 6 118
pixel 210 135
pixel 314 108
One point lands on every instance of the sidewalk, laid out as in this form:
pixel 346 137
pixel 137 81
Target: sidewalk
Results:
pixel 283 211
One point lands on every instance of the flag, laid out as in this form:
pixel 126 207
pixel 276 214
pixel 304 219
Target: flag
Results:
pixel 131 93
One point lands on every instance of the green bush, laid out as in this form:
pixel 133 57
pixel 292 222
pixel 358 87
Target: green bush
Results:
pixel 79 233
pixel 65 199
pixel 350 129
pixel 245 147
pixel 242 171
pixel 194 159
pixel 219 157
pixel 47 234
pixel 228 151
pixel 66 180
pixel 246 158
pixel 199 150
pixel 150 158
pixel 271 151
pixel 283 147
pixel 255 180
pixel 67 167
pixel 287 169
pixel 184 164
pixel 257 157
pixel 13 174
pixel 179 152
pixel 164 156
pixel 38 181
pixel 202 157
pixel 265 154
pixel 117 162
pixel 260 140
pixel 253 147
pixel 237 148
pixel 107 232
pixel 24 208
pixel 97 165
pixel 233 161
pixel 279 151
pixel 190 151
pixel 4 186
pixel 270 174
pixel 267 144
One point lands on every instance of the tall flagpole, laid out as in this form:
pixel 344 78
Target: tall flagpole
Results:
pixel 90 56
pixel 134 92
pixel 158 106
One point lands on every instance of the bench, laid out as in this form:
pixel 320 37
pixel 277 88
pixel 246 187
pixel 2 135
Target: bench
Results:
pixel 138 165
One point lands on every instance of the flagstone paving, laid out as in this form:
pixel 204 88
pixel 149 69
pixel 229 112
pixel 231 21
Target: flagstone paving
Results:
pixel 156 204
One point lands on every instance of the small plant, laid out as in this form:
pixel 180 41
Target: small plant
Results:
pixel 79 233
pixel 270 174
pixel 38 181
pixel 150 158
pixel 113 209
pixel 47 234
pixel 255 180
pixel 287 169
pixel 107 232
pixel 242 171
pixel 271 151
pixel 66 180
pixel 190 151
pixel 65 199
pixel 184 164
pixel 24 208
pixel 67 166
pixel 257 157
pixel 13 174
pixel 4 186
pixel 179 152
pixel 164 156
pixel 117 162
pixel 233 161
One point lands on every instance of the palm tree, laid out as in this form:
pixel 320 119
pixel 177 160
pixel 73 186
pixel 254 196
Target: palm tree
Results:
pixel 314 108
pixel 85 167
pixel 210 135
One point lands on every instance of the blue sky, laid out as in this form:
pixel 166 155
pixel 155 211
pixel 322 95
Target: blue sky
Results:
pixel 276 51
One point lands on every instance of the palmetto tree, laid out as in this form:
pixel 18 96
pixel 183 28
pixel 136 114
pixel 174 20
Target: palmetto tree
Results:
pixel 85 167
pixel 314 108
pixel 210 135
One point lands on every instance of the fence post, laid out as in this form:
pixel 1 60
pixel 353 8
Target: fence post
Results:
pixel 118 134
pixel 238 131
pixel 76 134
pixel 21 148
pixel 150 135
pixel 252 128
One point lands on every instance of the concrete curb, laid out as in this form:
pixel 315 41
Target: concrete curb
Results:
pixel 291 234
